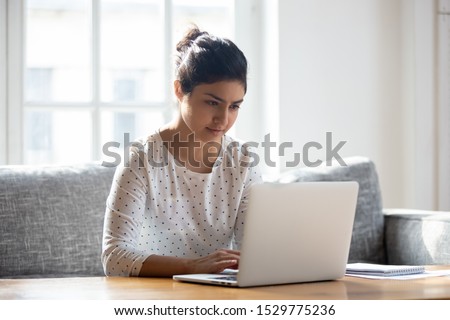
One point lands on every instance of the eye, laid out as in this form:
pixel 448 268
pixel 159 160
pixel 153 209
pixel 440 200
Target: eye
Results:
pixel 212 102
pixel 234 107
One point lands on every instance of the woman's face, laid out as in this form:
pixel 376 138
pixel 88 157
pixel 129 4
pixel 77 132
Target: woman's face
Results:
pixel 211 109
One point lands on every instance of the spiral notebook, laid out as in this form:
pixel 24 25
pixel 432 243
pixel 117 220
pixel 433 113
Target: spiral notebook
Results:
pixel 371 269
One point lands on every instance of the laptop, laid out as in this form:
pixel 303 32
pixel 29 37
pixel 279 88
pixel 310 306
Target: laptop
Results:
pixel 293 232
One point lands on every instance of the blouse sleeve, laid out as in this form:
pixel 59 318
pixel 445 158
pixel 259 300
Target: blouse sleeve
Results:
pixel 124 216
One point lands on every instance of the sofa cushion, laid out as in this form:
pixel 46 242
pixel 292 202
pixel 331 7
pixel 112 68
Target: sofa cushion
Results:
pixel 367 243
pixel 52 219
pixel 417 237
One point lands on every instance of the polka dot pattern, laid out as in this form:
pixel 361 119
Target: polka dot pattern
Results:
pixel 159 207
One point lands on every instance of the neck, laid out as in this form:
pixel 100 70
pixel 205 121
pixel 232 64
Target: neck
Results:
pixel 194 154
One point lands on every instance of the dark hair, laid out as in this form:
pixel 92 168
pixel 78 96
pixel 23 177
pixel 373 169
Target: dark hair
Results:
pixel 204 58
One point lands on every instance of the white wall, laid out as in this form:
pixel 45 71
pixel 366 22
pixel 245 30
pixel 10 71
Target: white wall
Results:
pixel 424 104
pixel 444 104
pixel 349 67
pixel 3 76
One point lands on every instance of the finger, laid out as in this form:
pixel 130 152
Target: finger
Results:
pixel 235 266
pixel 225 264
pixel 236 252
pixel 227 254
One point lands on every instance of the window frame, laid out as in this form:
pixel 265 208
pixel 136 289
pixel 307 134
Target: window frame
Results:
pixel 95 106
pixel 13 106
pixel 15 49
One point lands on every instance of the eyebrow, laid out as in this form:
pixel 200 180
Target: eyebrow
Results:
pixel 220 99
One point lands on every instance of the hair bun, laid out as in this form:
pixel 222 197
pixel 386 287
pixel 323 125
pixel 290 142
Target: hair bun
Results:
pixel 204 58
pixel 191 35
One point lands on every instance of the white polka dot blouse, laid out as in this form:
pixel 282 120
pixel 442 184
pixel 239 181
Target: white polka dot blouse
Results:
pixel 156 206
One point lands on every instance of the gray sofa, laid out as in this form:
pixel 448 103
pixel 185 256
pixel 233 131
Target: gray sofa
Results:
pixel 51 220
pixel 391 236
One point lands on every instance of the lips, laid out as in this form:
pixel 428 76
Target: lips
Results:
pixel 215 130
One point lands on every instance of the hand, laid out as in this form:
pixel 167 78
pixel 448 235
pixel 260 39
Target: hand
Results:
pixel 216 262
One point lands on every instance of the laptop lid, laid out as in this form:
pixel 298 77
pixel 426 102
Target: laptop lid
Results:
pixel 295 232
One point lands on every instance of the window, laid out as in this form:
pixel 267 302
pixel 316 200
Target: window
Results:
pixel 93 71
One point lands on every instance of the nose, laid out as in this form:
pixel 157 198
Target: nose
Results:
pixel 221 117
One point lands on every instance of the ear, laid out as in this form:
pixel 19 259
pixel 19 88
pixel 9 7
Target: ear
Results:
pixel 178 90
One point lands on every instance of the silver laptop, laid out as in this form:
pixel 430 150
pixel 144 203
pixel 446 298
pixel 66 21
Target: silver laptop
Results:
pixel 294 232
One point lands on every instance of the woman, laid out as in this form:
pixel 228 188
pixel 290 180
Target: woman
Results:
pixel 178 206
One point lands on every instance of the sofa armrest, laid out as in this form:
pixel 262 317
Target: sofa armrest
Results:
pixel 417 237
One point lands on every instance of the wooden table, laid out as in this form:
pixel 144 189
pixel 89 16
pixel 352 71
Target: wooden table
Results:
pixel 167 289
